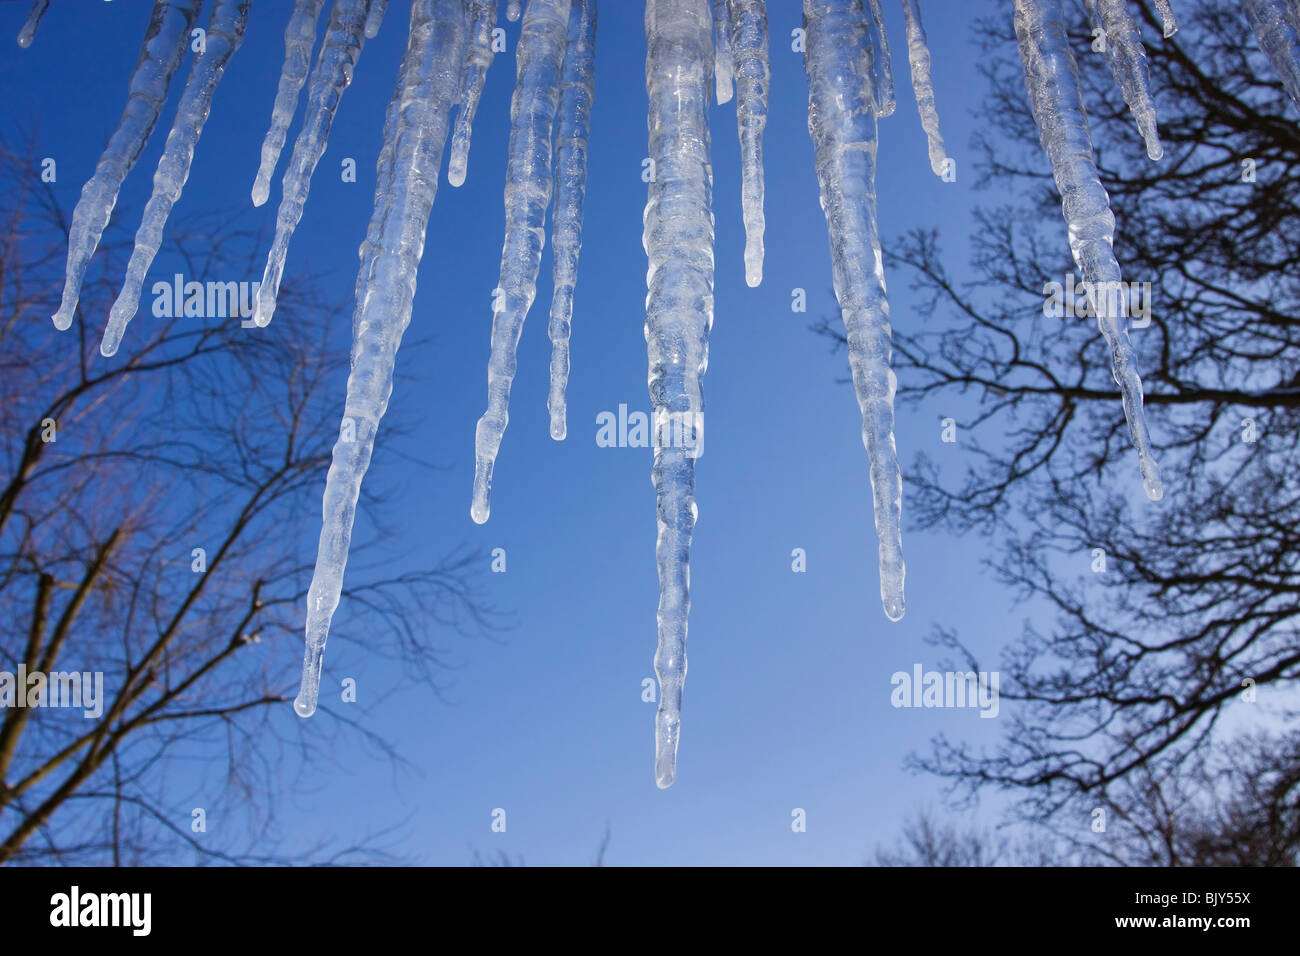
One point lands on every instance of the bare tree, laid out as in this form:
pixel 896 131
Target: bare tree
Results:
pixel 1126 678
pixel 158 515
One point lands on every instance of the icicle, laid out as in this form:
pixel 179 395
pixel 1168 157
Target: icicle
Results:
pixel 1128 64
pixel 427 89
pixel 375 18
pixel 843 129
pixel 1167 18
pixel 753 75
pixel 1052 79
pixel 723 58
pixel 918 57
pixel 882 71
pixel 164 45
pixel 678 240
pixel 225 33
pixel 329 80
pixel 1278 28
pixel 528 192
pixel 513 9
pixel 299 37
pixel 483 14
pixel 28 32
pixel 572 129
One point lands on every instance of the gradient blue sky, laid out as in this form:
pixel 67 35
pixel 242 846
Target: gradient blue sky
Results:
pixel 788 695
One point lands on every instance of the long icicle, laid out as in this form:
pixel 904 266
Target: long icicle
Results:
pixel 483 15
pixel 843 124
pixel 678 240
pixel 1128 64
pixel 540 60
pixel 32 23
pixel 164 45
pixel 1277 26
pixel 882 70
pixel 918 58
pixel 724 64
pixel 573 126
pixel 225 33
pixel 753 77
pixel 299 38
pixel 427 89
pixel 330 78
pixel 1052 80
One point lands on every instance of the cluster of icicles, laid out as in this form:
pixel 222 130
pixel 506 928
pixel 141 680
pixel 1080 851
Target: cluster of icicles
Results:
pixel 693 48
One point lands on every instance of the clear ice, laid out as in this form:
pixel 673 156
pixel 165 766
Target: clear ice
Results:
pixel 918 58
pixel 573 127
pixel 1167 19
pixel 164 45
pixel 540 61
pixel 753 73
pixel 225 33
pixel 375 18
pixel 842 123
pixel 723 62
pixel 483 16
pixel 329 80
pixel 428 87
pixel 678 239
pixel 882 71
pixel 1277 25
pixel 1052 79
pixel 28 33
pixel 1128 64
pixel 299 38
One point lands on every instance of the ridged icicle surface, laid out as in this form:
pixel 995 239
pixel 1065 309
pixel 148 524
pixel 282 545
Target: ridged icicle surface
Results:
pixel 540 58
pixel 416 126
pixel 842 123
pixel 1052 79
pixel 678 240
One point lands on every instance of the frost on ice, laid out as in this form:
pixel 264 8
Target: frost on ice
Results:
pixel 1277 25
pixel 842 123
pixel 678 239
pixel 164 44
pixel 428 87
pixel 540 60
pixel 299 38
pixel 753 74
pixel 573 126
pixel 918 58
pixel 1052 78
pixel 1128 64
pixel 32 23
pixel 225 33
pixel 483 17
pixel 329 80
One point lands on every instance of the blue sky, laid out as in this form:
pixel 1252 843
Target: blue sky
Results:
pixel 787 700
